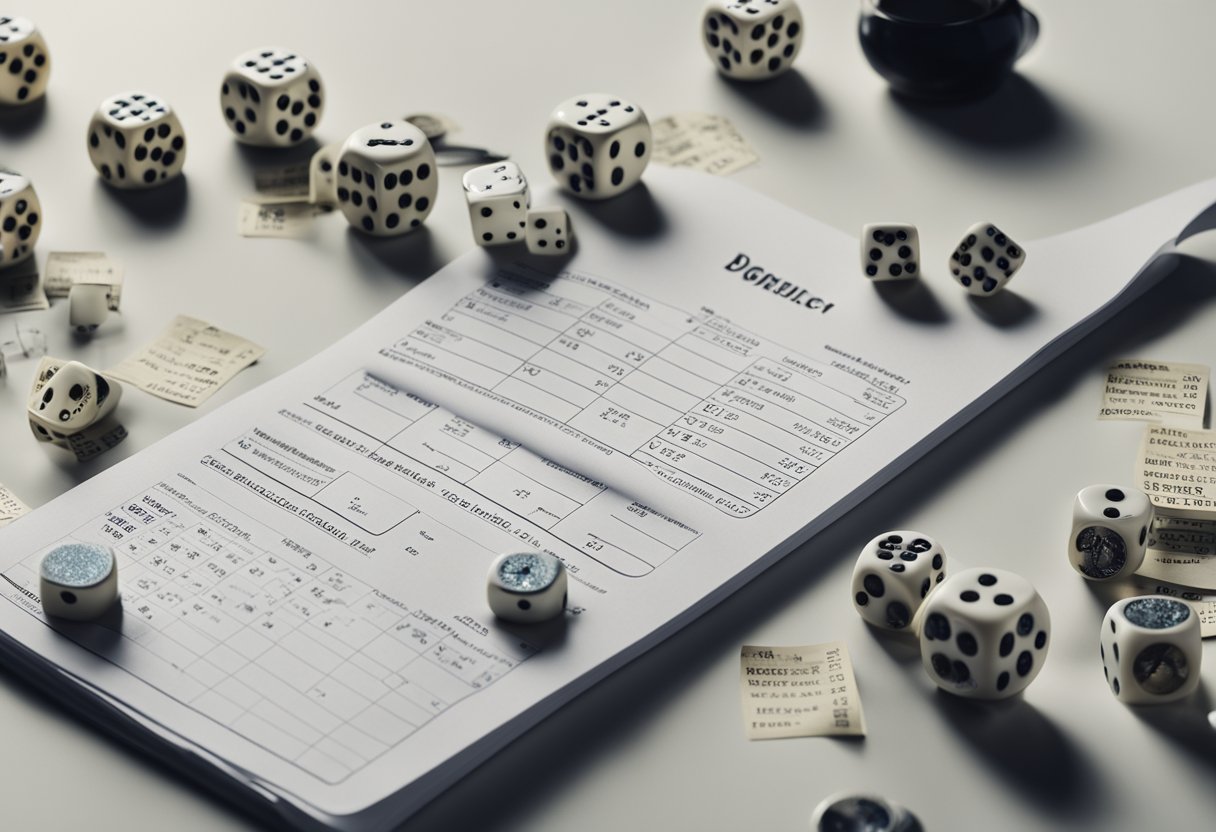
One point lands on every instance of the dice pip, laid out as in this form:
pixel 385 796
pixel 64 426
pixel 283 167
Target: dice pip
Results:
pixel 272 97
pixel 985 259
pixel 136 141
pixel 894 574
pixel 498 200
pixel 68 398
pixel 548 232
pixel 526 587
pixel 78 581
pixel 1110 526
pixel 1151 649
pixel 25 63
pixel 386 178
pixel 890 251
pixel 598 145
pixel 323 175
pixel 752 40
pixel 984 634
pixel 20 218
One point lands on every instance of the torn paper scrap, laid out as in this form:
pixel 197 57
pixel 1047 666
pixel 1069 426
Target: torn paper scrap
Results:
pixel 806 691
pixel 1156 391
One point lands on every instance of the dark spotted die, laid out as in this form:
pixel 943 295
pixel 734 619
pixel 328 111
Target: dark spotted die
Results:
pixel 985 259
pixel 24 61
pixel 752 40
pixel 894 573
pixel 597 145
pixel 386 182
pixel 20 218
pixel 135 140
pixel 890 252
pixel 272 97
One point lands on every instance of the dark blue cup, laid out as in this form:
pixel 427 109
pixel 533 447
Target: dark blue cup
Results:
pixel 945 49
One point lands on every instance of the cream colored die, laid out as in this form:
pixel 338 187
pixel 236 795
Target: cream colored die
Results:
pixel 136 141
pixel 752 40
pixel 598 145
pixel 25 62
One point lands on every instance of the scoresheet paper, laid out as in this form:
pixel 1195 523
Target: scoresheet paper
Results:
pixel 303 570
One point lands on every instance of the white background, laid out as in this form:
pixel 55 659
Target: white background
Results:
pixel 1111 108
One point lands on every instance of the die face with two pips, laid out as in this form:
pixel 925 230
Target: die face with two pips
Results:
pixel 985 259
pixel 1151 649
pixel 272 97
pixel 597 145
pixel 984 634
pixel 25 63
pixel 20 218
pixel 386 183
pixel 136 141
pixel 752 40
pixel 498 200
pixel 890 251
pixel 1110 525
pixel 894 574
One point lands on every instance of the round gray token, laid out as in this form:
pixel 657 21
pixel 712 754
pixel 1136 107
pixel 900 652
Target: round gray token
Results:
pixel 862 813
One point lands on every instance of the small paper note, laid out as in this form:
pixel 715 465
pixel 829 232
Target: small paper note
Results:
pixel 1203 603
pixel 188 362
pixel 288 183
pixel 64 268
pixel 10 506
pixel 701 141
pixel 1177 469
pixel 21 288
pixel 1181 551
pixel 277 219
pixel 1156 391
pixel 806 691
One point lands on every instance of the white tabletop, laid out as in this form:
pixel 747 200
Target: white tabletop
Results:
pixel 1111 108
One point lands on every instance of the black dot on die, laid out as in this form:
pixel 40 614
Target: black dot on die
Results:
pixel 540 222
pixel 407 177
pixel 357 198
pixel 1143 534
pixel 149 176
pixel 1040 640
pixel 297 108
pixel 898 615
pixel 1003 600
pixel 970 596
pixel 122 172
pixel 874 585
pixel 356 175
pixel 961 672
pixel 32 219
pixel 93 140
pixel 755 56
pixel 280 127
pixel 524 604
pixel 871 270
pixel 862 599
pixel 875 254
pixel 1114 684
pixel 404 200
pixel 898 567
pixel 392 220
pixel 11 222
pixel 1002 681
pixel 895 269
pixel 105 171
pixel 905 252
pixel 967 644
pixel 925 585
pixel 937 561
pixel 421 203
pixel 120 140
pixel 424 171
pixel 156 154
pixel 1025 662
pixel 141 153
pixel 1025 624
pixel 1006 646
pixel 773 64
pixel 296 134
pixel 937 627
pixel 884 554
pixel 908 556
pixel 618 176
pixel 369 223
pixel 639 149
pixel 1112 513
pixel 343 194
pixel 371 202
pixel 941 665
pixel 614 149
pixel 314 101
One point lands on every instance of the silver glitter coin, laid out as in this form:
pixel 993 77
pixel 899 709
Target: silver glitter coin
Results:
pixel 862 813
pixel 78 564
pixel 1156 613
pixel 1105 553
pixel 528 571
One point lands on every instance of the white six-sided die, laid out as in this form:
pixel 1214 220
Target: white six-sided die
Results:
pixel 323 175
pixel 136 141
pixel 526 587
pixel 25 62
pixel 1110 525
pixel 20 218
pixel 548 231
pixel 271 97
pixel 68 399
pixel 498 200
pixel 88 306
pixel 890 251
pixel 598 145
pixel 893 575
pixel 78 581
pixel 984 634
pixel 386 178
pixel 752 40
pixel 985 259
pixel 1151 649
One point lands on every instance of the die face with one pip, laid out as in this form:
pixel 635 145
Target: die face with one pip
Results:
pixel 71 399
pixel 526 587
pixel 752 40
pixel 20 218
pixel 78 581
pixel 136 141
pixel 548 232
pixel 894 574
pixel 890 251
pixel 1151 648
pixel 984 634
pixel 272 97
pixel 498 200
pixel 25 63
pixel 1110 526
pixel 386 178
pixel 598 145
pixel 985 259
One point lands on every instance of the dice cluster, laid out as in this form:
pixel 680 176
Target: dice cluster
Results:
pixel 982 263
pixel 983 633
pixel 499 210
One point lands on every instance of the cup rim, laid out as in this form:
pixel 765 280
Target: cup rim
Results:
pixel 871 7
